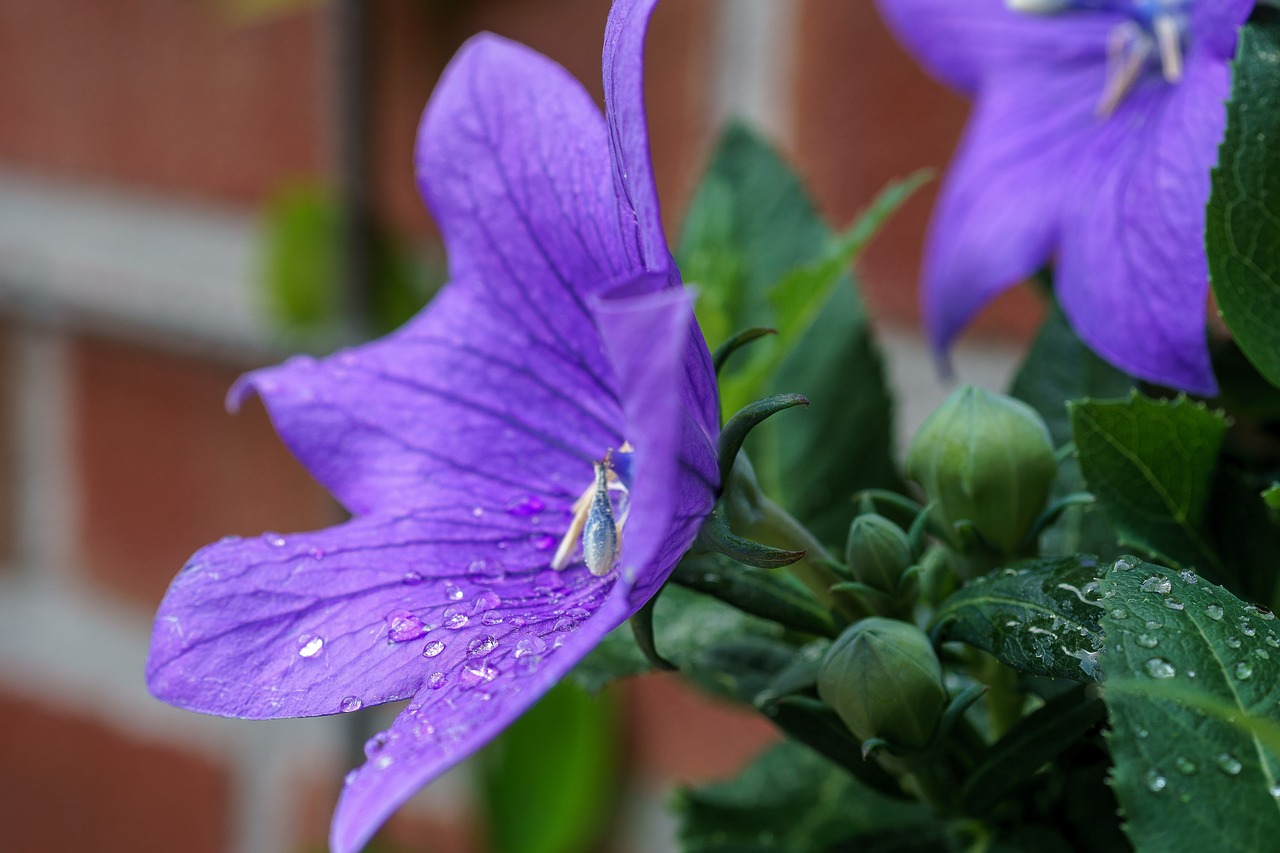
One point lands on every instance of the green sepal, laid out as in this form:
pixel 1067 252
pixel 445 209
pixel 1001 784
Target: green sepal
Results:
pixel 737 342
pixel 759 593
pixel 740 425
pixel 715 535
pixel 642 630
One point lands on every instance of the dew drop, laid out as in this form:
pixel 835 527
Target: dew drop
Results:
pixel 436 680
pixel 526 506
pixel 454 592
pixel 1155 781
pixel 1273 641
pixel 316 553
pixel 565 624
pixel 1247 629
pixel 382 762
pixel 1155 583
pixel 403 626
pixel 412 578
pixel 486 600
pixel 1123 564
pixel 491 618
pixel 1244 670
pixel 477 511
pixel 1185 765
pixel 1173 603
pixel 430 650
pixel 481 645
pixel 1228 763
pixel 275 540
pixel 1263 654
pixel 1160 668
pixel 1148 641
pixel 1233 642
pixel 543 542
pixel 453 620
pixel 351 703
pixel 1119 613
pixel 1214 612
pixel 1274 790
pixel 1189 577
pixel 477 674
pixel 376 744
pixel 530 645
pixel 309 646
pixel 578 613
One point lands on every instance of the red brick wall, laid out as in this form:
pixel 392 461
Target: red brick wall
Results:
pixel 72 783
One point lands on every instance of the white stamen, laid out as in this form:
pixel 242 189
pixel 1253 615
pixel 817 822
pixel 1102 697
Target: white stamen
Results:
pixel 1128 49
pixel 564 552
pixel 1169 42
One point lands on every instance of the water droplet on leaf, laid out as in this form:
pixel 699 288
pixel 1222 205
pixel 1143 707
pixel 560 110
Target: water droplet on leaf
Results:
pixel 1244 670
pixel 1228 763
pixel 1155 780
pixel 1214 612
pixel 1148 641
pixel 1160 668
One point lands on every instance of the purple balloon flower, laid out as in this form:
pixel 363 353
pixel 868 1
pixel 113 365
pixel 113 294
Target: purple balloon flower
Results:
pixel 561 363
pixel 1095 125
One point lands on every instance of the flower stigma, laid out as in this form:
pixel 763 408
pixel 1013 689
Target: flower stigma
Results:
pixel 595 521
pixel 1155 35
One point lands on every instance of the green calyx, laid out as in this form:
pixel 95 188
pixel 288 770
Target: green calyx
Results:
pixel 877 552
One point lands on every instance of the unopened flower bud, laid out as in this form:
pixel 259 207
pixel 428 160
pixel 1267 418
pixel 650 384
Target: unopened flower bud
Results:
pixel 877 552
pixel 884 679
pixel 987 459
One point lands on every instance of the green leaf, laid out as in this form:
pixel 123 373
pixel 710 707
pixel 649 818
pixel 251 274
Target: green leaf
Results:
pixel 792 799
pixel 1193 690
pixel 774 596
pixel 1271 496
pixel 548 783
pixel 1037 616
pixel 721 649
pixel 1243 219
pixel 1059 367
pixel 1151 462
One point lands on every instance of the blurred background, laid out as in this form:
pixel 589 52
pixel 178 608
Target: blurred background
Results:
pixel 192 188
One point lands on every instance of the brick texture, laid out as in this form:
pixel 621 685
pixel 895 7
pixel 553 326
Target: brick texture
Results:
pixel 160 94
pixel 71 783
pixel 865 114
pixel 8 449
pixel 679 735
pixel 165 470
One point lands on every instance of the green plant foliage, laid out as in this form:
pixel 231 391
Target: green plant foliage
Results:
pixel 792 799
pixel 1243 226
pixel 761 255
pixel 1193 691
pixel 721 649
pixel 568 737
pixel 1037 616
pixel 1151 463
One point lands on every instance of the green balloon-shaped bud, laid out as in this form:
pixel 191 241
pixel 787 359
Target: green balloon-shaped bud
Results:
pixel 877 552
pixel 987 459
pixel 884 680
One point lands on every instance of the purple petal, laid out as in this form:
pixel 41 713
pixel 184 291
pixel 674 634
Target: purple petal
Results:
pixel 479 697
pixel 995 223
pixel 368 612
pixel 476 395
pixel 1216 24
pixel 629 131
pixel 654 344
pixel 963 43
pixel 1132 275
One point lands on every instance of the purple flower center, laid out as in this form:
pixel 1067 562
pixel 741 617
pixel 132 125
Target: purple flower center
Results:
pixel 1153 41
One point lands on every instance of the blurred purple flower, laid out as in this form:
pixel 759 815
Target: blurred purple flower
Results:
pixel 462 442
pixel 1095 125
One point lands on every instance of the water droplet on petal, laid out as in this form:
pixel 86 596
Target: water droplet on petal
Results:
pixel 476 674
pixel 526 506
pixel 481 646
pixel 1228 763
pixel 1160 668
pixel 309 646
pixel 1244 670
pixel 351 703
pixel 1214 612
pixel 453 592
pixel 477 511
pixel 530 645
pixel 565 624
pixel 403 626
pixel 316 553
pixel 436 680
pixel 453 620
pixel 275 540
pixel 382 762
pixel 412 578
pixel 491 618
pixel 486 600
pixel 376 744
pixel 1148 641
pixel 1155 780
pixel 430 650
pixel 543 542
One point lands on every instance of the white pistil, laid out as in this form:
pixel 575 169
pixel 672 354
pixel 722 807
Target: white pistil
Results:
pixel 1169 43
pixel 1128 50
pixel 593 522
pixel 600 532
